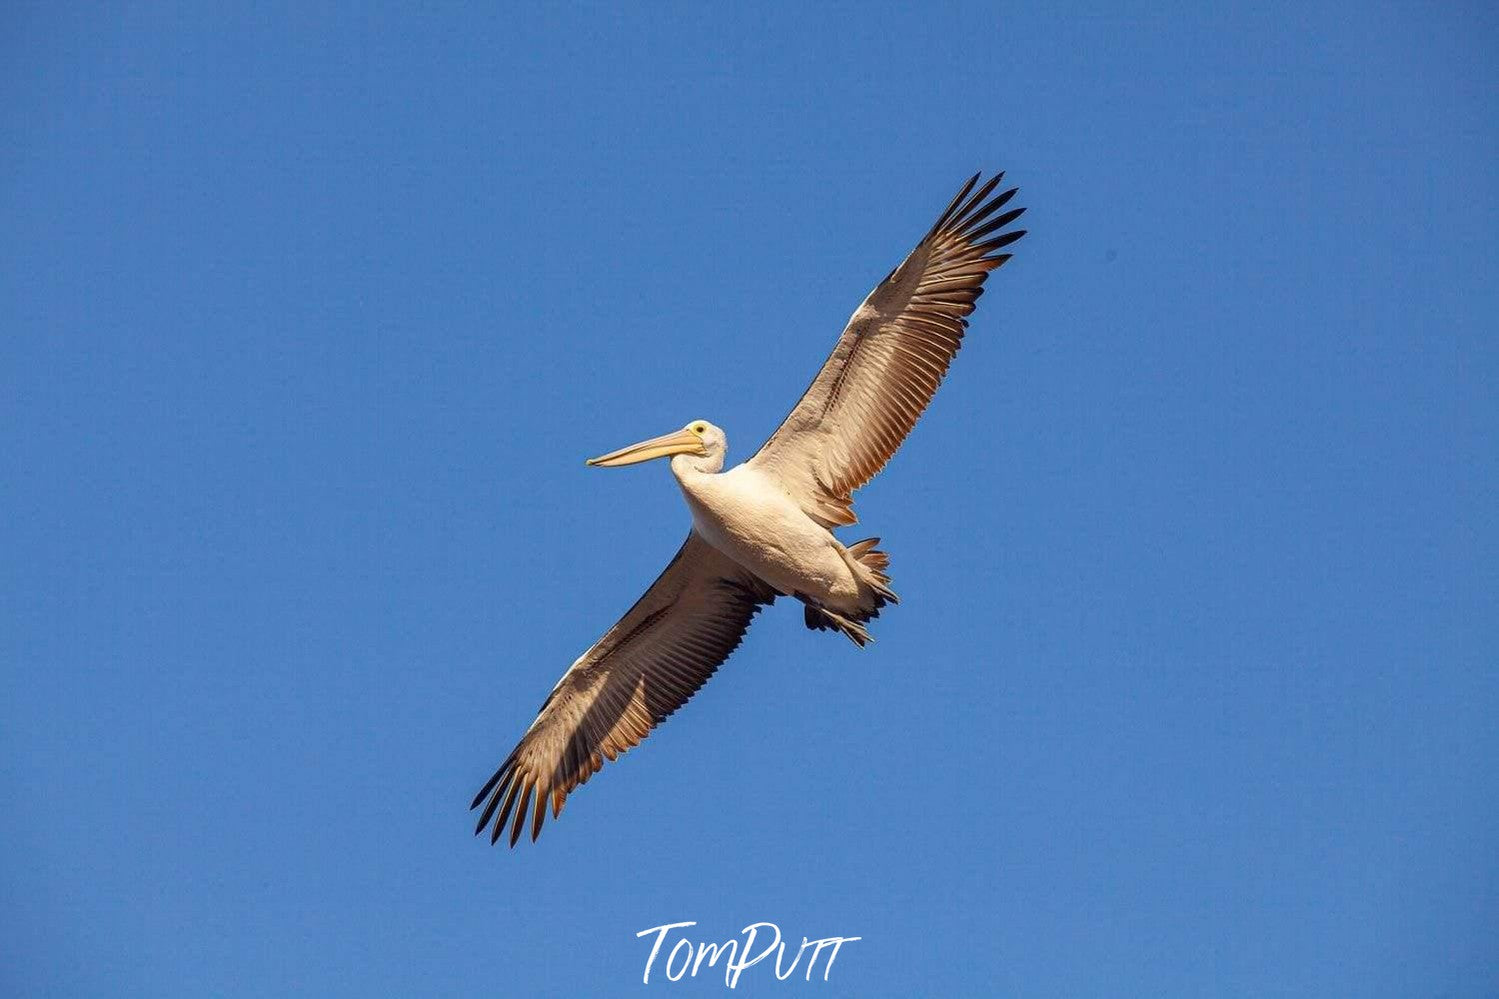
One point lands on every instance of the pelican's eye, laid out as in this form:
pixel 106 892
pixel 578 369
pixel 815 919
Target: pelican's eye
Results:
pixel 699 428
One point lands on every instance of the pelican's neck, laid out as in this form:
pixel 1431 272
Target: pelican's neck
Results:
pixel 686 466
pixel 696 476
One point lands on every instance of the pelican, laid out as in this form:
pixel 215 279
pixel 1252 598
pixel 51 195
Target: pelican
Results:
pixel 764 529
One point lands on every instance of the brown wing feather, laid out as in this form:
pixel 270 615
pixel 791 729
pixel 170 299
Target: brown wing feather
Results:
pixel 890 359
pixel 647 666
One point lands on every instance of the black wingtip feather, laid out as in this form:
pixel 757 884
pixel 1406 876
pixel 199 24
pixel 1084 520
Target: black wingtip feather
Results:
pixel 994 204
pixel 493 781
pixel 957 199
pixel 1005 239
pixel 484 791
pixel 520 817
pixel 961 218
pixel 994 225
pixel 499 823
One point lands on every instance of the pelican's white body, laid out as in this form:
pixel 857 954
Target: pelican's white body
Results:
pixel 747 515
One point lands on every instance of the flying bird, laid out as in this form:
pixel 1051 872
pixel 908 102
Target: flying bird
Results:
pixel 764 529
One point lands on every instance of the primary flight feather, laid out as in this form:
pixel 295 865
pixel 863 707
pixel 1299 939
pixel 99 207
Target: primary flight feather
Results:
pixel 763 529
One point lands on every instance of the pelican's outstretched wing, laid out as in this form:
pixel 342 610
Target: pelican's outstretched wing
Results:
pixel 642 670
pixel 890 359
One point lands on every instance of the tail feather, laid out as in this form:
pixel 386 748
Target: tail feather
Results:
pixel 865 552
pixel 875 563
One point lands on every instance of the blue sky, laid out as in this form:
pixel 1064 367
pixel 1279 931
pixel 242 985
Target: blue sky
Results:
pixel 310 315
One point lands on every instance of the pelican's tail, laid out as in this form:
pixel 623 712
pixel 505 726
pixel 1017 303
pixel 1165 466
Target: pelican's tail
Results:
pixel 868 565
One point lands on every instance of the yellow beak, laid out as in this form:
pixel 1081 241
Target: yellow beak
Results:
pixel 676 442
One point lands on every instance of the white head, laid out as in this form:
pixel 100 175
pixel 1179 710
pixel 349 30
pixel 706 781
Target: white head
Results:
pixel 700 446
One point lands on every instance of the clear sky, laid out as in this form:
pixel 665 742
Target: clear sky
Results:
pixel 309 315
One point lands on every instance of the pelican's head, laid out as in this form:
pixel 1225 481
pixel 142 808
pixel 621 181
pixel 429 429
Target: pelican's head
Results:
pixel 699 440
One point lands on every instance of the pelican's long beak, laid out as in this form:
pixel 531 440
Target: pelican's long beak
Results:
pixel 676 442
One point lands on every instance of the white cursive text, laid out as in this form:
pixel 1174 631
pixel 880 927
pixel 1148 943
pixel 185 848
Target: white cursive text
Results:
pixel 738 955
